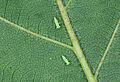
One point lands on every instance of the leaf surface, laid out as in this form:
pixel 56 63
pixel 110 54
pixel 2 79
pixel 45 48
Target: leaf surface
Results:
pixel 26 58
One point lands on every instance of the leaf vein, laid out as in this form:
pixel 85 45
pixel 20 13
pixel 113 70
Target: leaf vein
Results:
pixel 37 35
pixel 107 49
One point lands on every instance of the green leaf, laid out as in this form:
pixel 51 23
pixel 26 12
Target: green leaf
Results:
pixel 27 58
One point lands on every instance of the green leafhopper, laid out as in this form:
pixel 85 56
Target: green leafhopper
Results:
pixel 65 60
pixel 56 22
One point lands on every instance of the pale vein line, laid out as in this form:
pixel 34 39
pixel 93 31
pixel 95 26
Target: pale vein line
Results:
pixel 37 35
pixel 77 49
pixel 105 53
pixel 68 4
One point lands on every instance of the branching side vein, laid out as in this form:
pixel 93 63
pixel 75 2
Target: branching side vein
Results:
pixel 108 47
pixel 37 35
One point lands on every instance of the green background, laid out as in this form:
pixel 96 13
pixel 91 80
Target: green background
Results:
pixel 26 58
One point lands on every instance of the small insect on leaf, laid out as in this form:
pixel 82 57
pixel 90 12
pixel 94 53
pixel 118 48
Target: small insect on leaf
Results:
pixel 56 22
pixel 65 60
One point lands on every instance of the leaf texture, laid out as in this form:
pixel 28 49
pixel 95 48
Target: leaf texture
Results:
pixel 26 58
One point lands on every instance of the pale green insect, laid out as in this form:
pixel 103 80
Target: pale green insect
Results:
pixel 56 22
pixel 65 60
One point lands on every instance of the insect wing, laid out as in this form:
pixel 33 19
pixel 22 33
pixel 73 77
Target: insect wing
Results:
pixel 56 22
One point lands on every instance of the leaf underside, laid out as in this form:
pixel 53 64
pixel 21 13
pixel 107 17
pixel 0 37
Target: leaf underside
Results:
pixel 26 58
